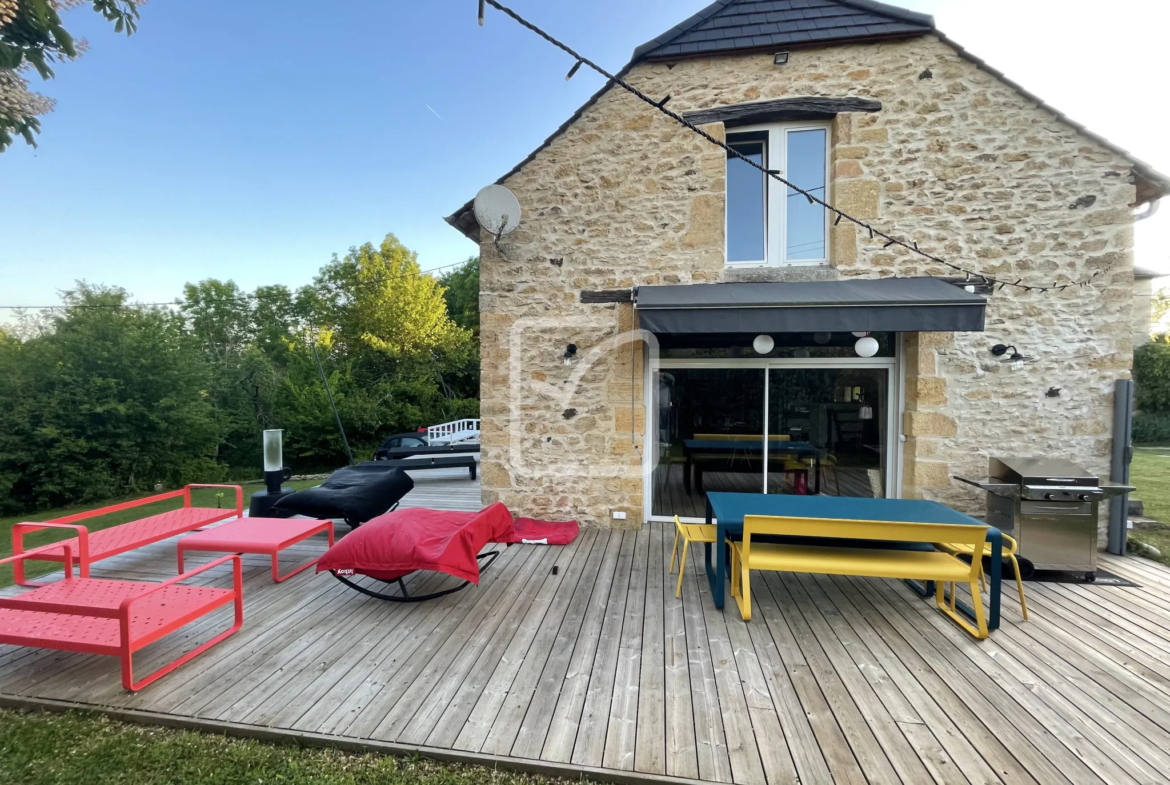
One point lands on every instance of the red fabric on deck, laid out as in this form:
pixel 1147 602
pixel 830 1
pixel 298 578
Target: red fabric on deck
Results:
pixel 404 541
pixel 532 531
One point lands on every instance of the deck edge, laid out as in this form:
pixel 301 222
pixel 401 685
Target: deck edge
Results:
pixel 563 771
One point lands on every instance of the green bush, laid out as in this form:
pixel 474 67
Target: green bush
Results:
pixel 1151 373
pixel 107 399
pixel 1151 428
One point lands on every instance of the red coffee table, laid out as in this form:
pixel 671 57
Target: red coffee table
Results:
pixel 257 535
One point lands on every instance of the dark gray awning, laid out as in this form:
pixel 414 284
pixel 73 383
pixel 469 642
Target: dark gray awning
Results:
pixel 871 305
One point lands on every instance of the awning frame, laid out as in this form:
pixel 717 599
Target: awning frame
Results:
pixel 852 305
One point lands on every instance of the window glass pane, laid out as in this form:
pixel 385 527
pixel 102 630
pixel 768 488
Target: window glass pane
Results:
pixel 806 169
pixel 709 429
pixel 746 202
pixel 832 426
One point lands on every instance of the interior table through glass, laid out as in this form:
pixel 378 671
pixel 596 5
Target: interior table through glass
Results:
pixel 727 510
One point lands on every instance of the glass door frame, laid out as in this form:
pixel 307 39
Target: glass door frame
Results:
pixel 895 392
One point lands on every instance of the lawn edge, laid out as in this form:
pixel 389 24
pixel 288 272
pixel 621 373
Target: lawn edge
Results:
pixel 320 740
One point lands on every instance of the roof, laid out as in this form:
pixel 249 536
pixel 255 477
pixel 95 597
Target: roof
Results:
pixel 792 18
pixel 1146 274
pixel 738 25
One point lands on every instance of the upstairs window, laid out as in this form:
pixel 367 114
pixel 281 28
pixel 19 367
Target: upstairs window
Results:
pixel 768 223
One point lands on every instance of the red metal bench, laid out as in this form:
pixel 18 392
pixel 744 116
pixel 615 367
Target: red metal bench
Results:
pixel 87 548
pixel 115 618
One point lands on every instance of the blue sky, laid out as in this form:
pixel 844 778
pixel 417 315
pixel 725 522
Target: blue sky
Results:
pixel 252 140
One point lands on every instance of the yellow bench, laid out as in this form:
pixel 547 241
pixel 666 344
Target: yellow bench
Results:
pixel 943 568
pixel 1009 552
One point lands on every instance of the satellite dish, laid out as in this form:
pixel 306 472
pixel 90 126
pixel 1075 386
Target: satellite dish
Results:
pixel 498 210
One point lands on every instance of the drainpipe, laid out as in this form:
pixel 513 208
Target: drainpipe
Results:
pixel 1151 208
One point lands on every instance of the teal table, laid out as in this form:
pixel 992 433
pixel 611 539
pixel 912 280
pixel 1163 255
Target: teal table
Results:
pixel 727 510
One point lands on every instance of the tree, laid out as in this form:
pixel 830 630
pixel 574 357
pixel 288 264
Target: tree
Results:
pixel 461 291
pixel 32 36
pixel 378 298
pixel 111 401
pixel 1160 307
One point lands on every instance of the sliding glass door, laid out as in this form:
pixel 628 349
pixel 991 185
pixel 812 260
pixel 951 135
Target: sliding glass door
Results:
pixel 831 425
pixel 709 425
pixel 786 425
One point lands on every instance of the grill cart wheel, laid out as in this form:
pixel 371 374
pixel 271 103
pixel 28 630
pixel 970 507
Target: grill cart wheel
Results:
pixel 1090 577
pixel 1027 569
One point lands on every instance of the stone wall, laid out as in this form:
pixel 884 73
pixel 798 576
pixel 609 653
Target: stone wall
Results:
pixel 958 162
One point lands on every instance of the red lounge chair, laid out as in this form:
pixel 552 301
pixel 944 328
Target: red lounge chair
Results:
pixel 87 548
pixel 116 618
pixel 396 544
pixel 402 542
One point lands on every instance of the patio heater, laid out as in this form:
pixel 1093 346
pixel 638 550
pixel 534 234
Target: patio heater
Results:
pixel 262 501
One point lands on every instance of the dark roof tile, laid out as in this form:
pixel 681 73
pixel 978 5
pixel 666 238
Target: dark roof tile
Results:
pixel 749 24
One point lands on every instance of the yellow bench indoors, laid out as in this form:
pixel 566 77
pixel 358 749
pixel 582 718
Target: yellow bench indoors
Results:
pixel 943 568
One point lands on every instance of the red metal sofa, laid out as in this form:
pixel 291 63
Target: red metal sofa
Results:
pixel 87 548
pixel 115 618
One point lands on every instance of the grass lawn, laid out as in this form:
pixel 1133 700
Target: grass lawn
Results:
pixel 82 749
pixel 1150 474
pixel 200 498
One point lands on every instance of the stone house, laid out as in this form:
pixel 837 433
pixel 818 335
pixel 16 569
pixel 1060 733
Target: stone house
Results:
pixel 661 293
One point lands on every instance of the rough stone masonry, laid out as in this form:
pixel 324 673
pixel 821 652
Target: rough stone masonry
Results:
pixel 960 162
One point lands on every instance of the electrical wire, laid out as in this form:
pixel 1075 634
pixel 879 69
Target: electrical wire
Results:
pixel 240 299
pixel 841 215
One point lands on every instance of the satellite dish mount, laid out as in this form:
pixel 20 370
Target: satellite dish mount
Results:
pixel 498 211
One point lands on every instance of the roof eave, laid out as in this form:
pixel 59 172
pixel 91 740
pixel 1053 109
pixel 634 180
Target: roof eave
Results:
pixel 900 35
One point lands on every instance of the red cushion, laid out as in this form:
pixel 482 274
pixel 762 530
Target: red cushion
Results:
pixel 404 541
pixel 543 532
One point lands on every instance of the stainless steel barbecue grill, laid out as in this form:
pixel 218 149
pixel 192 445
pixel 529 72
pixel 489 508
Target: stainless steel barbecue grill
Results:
pixel 1050 508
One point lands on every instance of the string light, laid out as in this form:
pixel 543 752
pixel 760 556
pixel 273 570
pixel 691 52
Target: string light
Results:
pixel 774 174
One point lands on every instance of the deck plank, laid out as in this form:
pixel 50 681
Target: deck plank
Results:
pixel 530 740
pixel 509 647
pixel 566 719
pixel 650 748
pixel 622 728
pixel 590 745
pixel 509 722
pixel 679 716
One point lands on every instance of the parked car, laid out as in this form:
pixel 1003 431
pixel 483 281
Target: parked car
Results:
pixel 399 441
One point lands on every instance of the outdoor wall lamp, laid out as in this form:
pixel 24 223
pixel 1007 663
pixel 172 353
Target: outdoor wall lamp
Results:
pixel 780 58
pixel 570 353
pixel 1009 354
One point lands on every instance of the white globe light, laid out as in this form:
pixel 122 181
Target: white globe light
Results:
pixel 866 347
pixel 859 335
pixel 823 338
pixel 763 344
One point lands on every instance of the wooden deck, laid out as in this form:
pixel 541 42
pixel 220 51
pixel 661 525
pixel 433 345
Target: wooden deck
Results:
pixel 598 669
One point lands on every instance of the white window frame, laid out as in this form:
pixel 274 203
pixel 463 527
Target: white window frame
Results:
pixel 776 213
